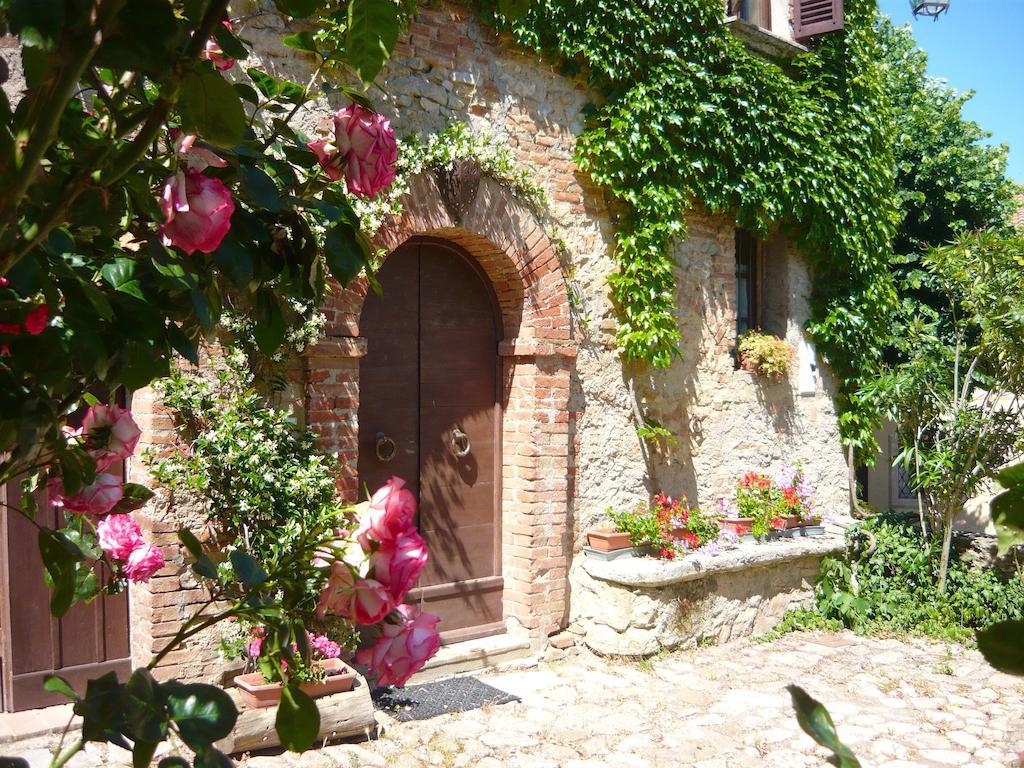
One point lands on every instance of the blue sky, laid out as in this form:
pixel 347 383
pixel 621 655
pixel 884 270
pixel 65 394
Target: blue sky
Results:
pixel 978 45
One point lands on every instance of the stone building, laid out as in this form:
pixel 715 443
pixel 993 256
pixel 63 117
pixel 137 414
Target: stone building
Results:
pixel 520 425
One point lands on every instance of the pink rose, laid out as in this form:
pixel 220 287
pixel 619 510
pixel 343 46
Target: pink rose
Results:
pixel 197 211
pixel 363 147
pixel 143 562
pixel 37 320
pixel 390 514
pixel 255 646
pixel 111 434
pixel 98 498
pixel 363 601
pixel 119 536
pixel 403 648
pixel 212 52
pixel 195 158
pixel 397 564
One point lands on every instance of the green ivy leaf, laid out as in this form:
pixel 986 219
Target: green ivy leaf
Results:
pixel 212 108
pixel 38 23
pixel 202 713
pixel 371 36
pixel 817 723
pixel 298 720
pixel 1002 645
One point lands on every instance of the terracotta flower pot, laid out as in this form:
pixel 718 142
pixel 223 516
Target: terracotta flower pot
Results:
pixel 257 693
pixel 608 540
pixel 791 521
pixel 738 525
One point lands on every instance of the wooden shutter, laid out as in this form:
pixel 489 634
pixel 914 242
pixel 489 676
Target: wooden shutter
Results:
pixel 815 17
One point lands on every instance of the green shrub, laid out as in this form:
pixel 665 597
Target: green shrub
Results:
pixel 897 589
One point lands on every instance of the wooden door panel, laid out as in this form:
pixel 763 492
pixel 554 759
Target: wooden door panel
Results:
pixel 445 344
pixel 389 374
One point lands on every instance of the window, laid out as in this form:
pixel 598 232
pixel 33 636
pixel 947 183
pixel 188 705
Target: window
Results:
pixel 756 12
pixel 748 279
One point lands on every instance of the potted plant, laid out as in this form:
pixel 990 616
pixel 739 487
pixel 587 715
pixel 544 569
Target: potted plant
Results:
pixel 608 539
pixel 765 355
pixel 760 501
pixel 319 669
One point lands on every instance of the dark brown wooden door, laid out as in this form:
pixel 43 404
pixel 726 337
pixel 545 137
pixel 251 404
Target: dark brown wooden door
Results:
pixel 89 641
pixel 429 382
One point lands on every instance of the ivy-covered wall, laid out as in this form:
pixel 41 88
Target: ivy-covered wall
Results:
pixel 452 67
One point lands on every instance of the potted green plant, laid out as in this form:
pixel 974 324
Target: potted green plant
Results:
pixel 318 667
pixel 765 355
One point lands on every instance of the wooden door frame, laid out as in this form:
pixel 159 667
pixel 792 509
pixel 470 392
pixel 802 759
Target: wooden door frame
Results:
pixel 483 630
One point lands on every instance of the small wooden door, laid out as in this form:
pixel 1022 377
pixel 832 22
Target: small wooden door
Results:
pixel 89 641
pixel 429 385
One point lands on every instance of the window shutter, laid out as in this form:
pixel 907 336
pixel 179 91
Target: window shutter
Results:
pixel 815 17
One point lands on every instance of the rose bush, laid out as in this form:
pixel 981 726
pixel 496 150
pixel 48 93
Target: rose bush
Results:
pixel 361 147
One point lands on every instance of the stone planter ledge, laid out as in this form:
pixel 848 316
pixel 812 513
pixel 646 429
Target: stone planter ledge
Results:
pixel 647 572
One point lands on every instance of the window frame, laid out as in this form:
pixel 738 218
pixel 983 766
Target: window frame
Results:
pixel 747 241
pixel 750 10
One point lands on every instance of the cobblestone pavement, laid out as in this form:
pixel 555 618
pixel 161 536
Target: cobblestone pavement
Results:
pixel 898 704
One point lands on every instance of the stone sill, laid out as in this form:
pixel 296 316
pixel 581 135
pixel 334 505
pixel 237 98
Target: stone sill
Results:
pixel 648 572
pixel 762 41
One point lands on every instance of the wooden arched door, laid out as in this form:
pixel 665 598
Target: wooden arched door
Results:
pixel 429 412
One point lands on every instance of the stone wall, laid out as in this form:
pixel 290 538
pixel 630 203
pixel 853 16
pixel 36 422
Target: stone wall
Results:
pixel 638 607
pixel 570 433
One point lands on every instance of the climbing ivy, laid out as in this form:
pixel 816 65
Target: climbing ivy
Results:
pixel 690 116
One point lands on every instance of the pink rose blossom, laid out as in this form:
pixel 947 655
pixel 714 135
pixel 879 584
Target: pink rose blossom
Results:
pixel 363 601
pixel 37 320
pixel 97 498
pixel 119 536
pixel 143 562
pixel 363 147
pixel 390 514
pixel 255 646
pixel 111 434
pixel 212 52
pixel 403 648
pixel 195 158
pixel 197 211
pixel 398 564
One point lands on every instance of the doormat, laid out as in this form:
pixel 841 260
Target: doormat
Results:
pixel 421 702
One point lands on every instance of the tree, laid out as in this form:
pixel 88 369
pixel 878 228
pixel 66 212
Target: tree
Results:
pixel 955 393
pixel 142 194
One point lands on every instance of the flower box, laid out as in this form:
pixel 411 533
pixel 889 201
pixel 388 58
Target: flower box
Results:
pixel 607 540
pixel 791 521
pixel 738 525
pixel 257 693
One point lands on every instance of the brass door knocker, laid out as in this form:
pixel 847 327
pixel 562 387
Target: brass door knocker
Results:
pixel 459 443
pixel 385 447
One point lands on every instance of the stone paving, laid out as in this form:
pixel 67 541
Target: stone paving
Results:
pixel 898 704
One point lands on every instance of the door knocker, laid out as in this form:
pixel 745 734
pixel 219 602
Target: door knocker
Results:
pixel 459 443
pixel 385 447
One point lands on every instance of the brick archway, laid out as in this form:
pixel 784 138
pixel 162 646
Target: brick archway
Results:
pixel 538 354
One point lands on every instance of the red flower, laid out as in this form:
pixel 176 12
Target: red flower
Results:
pixel 690 539
pixel 778 523
pixel 667 554
pixel 791 497
pixel 37 320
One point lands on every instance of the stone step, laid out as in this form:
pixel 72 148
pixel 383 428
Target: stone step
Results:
pixel 473 656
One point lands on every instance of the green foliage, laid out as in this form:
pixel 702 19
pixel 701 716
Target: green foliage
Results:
pixel 765 354
pixel 690 115
pixel 262 477
pixel 896 589
pixel 817 723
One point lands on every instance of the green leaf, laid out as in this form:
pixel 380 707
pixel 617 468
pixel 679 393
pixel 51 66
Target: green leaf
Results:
pixel 190 542
pixel 229 43
pixel 1002 645
pixel 102 710
pixel 203 713
pixel 212 108
pixel 173 761
pixel 135 497
pixel 57 684
pixel 205 567
pixel 142 753
pixel 268 85
pixel 145 716
pixel 371 36
pixel 141 37
pixel 247 568
pixel 235 261
pixel 270 326
pixel 260 188
pixel 212 758
pixel 346 251
pixel 513 10
pixel 817 723
pixel 60 559
pixel 299 8
pixel 1007 508
pixel 301 41
pixel 37 22
pixel 298 720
